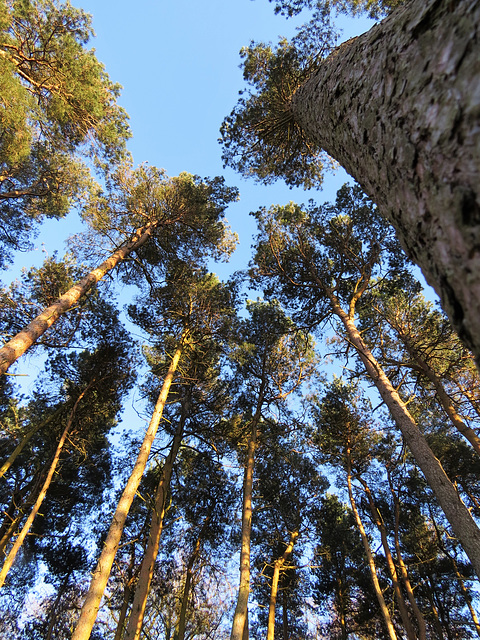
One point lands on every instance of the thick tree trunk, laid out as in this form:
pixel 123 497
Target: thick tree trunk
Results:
pixel 135 621
pixel 277 567
pixel 10 559
pixel 398 108
pixel 102 571
pixel 240 618
pixel 371 562
pixel 402 607
pixel 456 512
pixel 15 347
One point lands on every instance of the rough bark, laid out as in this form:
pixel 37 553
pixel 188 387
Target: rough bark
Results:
pixel 277 567
pixel 17 346
pixel 240 618
pixel 456 512
pixel 398 107
pixel 371 562
pixel 402 607
pixel 135 621
pixel 10 559
pixel 102 571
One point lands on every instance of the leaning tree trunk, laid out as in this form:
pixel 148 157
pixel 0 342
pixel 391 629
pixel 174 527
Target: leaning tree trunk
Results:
pixel 134 627
pixel 102 571
pixel 398 108
pixel 277 566
pixel 17 346
pixel 380 524
pixel 240 618
pixel 422 627
pixel 371 562
pixel 10 559
pixel 449 500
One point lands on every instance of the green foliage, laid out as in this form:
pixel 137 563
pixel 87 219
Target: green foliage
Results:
pixel 260 137
pixel 59 108
pixel 374 8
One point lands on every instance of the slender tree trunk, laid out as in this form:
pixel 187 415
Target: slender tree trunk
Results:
pixel 127 591
pixel 53 611
pixel 25 440
pixel 398 108
pixel 371 562
pixel 422 627
pixel 189 575
pixel 10 559
pixel 17 346
pixel 285 616
pixel 402 607
pixel 444 399
pixel 456 512
pixel 135 621
pixel 277 567
pixel 102 571
pixel 240 619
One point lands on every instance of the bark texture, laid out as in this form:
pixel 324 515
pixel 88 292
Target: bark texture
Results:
pixel 399 108
pixel 102 571
pixel 449 500
pixel 17 346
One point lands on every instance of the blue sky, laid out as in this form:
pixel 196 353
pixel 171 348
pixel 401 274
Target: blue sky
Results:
pixel 178 62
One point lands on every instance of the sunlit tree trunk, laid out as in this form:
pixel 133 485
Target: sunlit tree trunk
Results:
pixel 398 108
pixel 102 571
pixel 277 567
pixel 240 618
pixel 10 559
pixel 25 440
pixel 15 347
pixel 135 621
pixel 456 512
pixel 445 401
pixel 368 552
pixel 410 631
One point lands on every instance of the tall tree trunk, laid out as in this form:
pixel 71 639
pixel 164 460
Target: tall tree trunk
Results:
pixel 189 575
pixel 53 610
pixel 422 627
pixel 371 562
pixel 10 559
pixel 377 518
pixel 134 627
pixel 15 347
pixel 25 440
pixel 102 571
pixel 277 567
pixel 456 512
pixel 127 592
pixel 444 399
pixel 240 618
pixel 398 108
